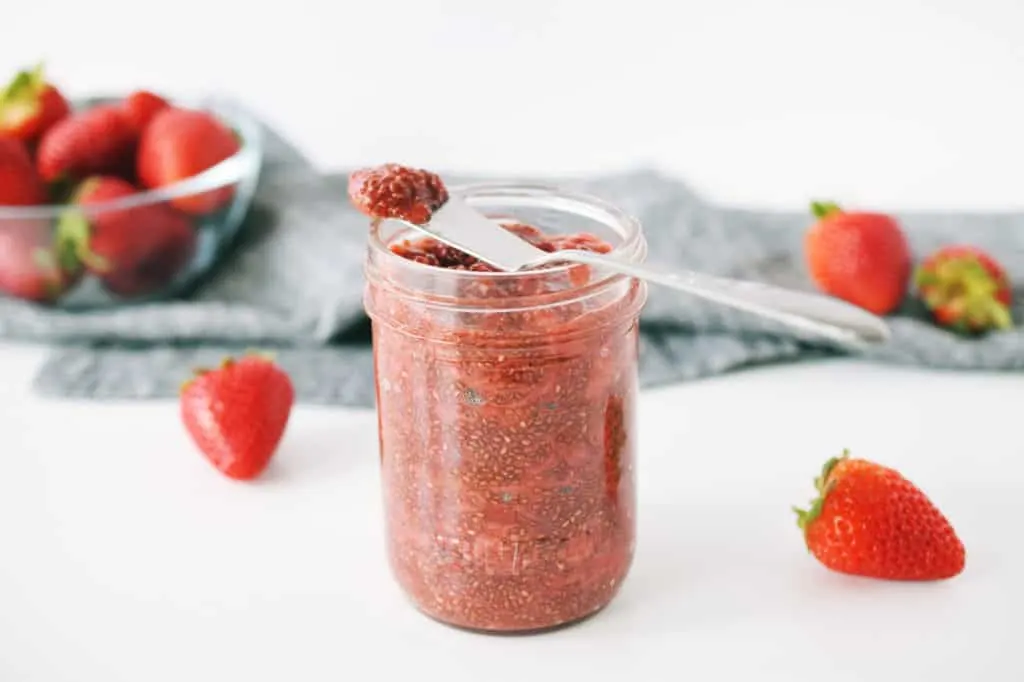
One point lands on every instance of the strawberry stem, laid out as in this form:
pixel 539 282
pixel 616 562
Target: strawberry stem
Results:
pixel 1000 315
pixel 822 485
pixel 963 294
pixel 73 233
pixel 824 209
pixel 25 86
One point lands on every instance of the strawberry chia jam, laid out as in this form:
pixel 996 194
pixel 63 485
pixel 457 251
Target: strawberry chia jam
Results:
pixel 394 191
pixel 506 406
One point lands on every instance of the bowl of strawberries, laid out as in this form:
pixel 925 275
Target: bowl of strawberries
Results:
pixel 117 200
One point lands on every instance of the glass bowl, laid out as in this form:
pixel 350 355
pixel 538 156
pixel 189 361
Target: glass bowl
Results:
pixel 182 241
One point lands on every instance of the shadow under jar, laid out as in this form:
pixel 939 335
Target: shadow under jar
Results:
pixel 506 407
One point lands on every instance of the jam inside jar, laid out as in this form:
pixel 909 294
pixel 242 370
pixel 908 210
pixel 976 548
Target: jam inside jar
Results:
pixel 506 406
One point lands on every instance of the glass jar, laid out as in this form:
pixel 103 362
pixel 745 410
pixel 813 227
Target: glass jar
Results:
pixel 506 409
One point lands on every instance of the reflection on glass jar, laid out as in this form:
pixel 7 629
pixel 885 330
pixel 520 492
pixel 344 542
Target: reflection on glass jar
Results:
pixel 506 406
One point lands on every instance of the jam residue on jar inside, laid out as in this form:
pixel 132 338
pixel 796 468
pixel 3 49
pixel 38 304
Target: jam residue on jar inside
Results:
pixel 507 445
pixel 430 251
pixel 395 191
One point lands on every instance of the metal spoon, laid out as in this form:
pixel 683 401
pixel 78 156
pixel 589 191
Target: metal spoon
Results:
pixel 460 225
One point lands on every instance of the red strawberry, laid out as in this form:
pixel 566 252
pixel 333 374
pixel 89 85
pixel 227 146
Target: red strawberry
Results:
pixel 179 144
pixel 99 140
pixel 141 106
pixel 29 106
pixel 870 521
pixel 135 251
pixel 237 414
pixel 965 289
pixel 31 267
pixel 862 258
pixel 19 183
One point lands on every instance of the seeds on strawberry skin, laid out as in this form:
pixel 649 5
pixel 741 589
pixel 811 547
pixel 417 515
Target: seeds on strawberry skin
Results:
pixel 97 141
pixel 141 106
pixel 868 520
pixel 20 185
pixel 862 258
pixel 237 414
pixel 179 144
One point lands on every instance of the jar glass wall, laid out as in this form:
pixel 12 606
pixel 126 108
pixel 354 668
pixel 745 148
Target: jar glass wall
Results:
pixel 506 406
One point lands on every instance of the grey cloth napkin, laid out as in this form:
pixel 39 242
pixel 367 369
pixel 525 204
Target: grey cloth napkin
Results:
pixel 293 284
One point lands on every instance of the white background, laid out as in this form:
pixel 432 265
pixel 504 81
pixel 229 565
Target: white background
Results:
pixel 124 557
pixel 887 102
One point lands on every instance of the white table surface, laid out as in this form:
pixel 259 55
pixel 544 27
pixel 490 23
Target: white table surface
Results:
pixel 126 558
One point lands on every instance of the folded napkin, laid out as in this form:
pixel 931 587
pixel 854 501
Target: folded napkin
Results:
pixel 293 284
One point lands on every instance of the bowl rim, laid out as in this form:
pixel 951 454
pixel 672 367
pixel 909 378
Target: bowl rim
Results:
pixel 246 161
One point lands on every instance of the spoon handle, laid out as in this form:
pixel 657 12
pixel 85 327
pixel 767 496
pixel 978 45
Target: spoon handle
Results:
pixel 815 313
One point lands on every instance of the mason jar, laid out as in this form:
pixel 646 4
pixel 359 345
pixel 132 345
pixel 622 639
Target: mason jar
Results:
pixel 506 408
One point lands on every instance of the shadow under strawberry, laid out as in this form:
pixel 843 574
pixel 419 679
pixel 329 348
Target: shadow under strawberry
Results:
pixel 134 251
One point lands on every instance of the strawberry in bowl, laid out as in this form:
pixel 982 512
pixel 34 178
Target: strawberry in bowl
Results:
pixel 117 199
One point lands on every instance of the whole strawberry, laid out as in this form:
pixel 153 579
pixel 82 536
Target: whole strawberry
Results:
pixel 141 106
pixel 870 521
pixel 237 414
pixel 965 289
pixel 19 183
pixel 29 106
pixel 179 144
pixel 135 251
pixel 862 258
pixel 95 141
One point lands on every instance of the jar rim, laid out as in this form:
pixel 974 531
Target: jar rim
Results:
pixel 631 247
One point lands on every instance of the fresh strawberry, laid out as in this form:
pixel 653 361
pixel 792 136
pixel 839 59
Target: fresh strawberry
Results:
pixel 179 144
pixel 862 258
pixel 19 183
pixel 141 106
pixel 868 520
pixel 135 251
pixel 29 106
pixel 965 289
pixel 31 267
pixel 99 140
pixel 237 414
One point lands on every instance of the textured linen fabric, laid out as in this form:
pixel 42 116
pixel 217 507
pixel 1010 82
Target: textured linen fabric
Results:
pixel 293 283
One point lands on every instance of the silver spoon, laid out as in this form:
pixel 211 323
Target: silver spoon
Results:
pixel 460 225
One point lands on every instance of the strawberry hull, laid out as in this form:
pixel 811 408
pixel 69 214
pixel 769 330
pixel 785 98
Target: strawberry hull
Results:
pixel 134 251
pixel 30 106
pixel 30 266
pixel 965 289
